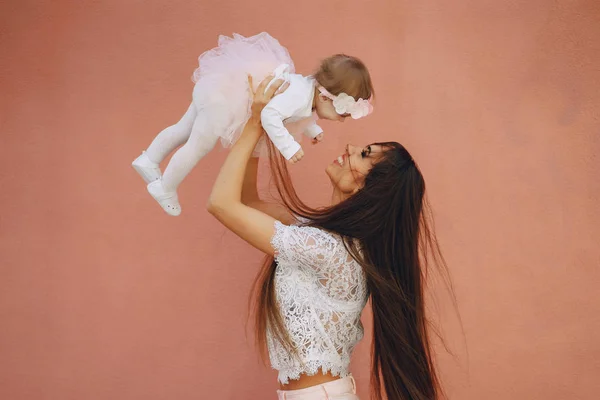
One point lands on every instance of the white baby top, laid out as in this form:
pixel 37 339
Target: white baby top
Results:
pixel 321 291
pixel 293 105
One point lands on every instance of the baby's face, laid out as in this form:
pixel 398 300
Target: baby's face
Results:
pixel 325 110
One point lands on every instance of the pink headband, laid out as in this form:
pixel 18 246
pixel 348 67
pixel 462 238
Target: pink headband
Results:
pixel 345 104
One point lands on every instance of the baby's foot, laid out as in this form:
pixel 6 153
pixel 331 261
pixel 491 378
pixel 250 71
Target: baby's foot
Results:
pixel 148 170
pixel 167 200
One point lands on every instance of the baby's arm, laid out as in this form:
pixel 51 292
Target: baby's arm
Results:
pixel 315 132
pixel 278 109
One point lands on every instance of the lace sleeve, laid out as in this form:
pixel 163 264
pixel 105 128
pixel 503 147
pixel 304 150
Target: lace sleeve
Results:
pixel 322 255
pixel 303 246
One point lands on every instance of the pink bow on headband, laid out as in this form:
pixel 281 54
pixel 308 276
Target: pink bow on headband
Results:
pixel 345 104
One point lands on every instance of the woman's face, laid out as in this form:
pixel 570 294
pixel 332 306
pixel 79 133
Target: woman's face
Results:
pixel 347 173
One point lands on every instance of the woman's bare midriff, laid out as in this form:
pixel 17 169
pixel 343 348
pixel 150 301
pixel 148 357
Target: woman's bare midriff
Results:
pixel 308 381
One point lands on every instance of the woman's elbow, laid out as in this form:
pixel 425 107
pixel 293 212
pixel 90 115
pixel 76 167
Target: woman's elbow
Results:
pixel 214 206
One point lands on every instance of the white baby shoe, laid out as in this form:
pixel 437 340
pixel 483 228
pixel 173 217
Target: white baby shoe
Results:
pixel 148 170
pixel 167 200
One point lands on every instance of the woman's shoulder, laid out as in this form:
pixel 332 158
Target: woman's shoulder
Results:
pixel 304 225
pixel 304 228
pixel 316 248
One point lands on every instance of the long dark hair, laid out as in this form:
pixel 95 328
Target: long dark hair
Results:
pixel 389 220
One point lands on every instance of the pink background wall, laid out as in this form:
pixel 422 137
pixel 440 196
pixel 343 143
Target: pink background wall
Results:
pixel 103 296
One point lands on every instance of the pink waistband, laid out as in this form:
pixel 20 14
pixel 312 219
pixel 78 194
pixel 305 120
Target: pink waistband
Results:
pixel 339 386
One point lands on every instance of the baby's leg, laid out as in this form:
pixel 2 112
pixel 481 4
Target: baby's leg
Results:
pixel 172 137
pixel 201 141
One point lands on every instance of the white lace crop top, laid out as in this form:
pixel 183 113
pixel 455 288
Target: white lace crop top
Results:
pixel 321 291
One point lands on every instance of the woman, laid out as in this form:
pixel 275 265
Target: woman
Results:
pixel 372 241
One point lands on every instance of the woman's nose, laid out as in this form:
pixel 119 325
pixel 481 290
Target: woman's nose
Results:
pixel 350 149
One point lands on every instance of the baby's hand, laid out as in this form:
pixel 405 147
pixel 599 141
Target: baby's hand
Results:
pixel 297 157
pixel 318 138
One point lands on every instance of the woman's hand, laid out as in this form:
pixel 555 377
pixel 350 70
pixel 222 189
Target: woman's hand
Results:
pixel 260 98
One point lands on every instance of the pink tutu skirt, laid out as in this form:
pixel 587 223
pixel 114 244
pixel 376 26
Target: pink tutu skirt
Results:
pixel 221 89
